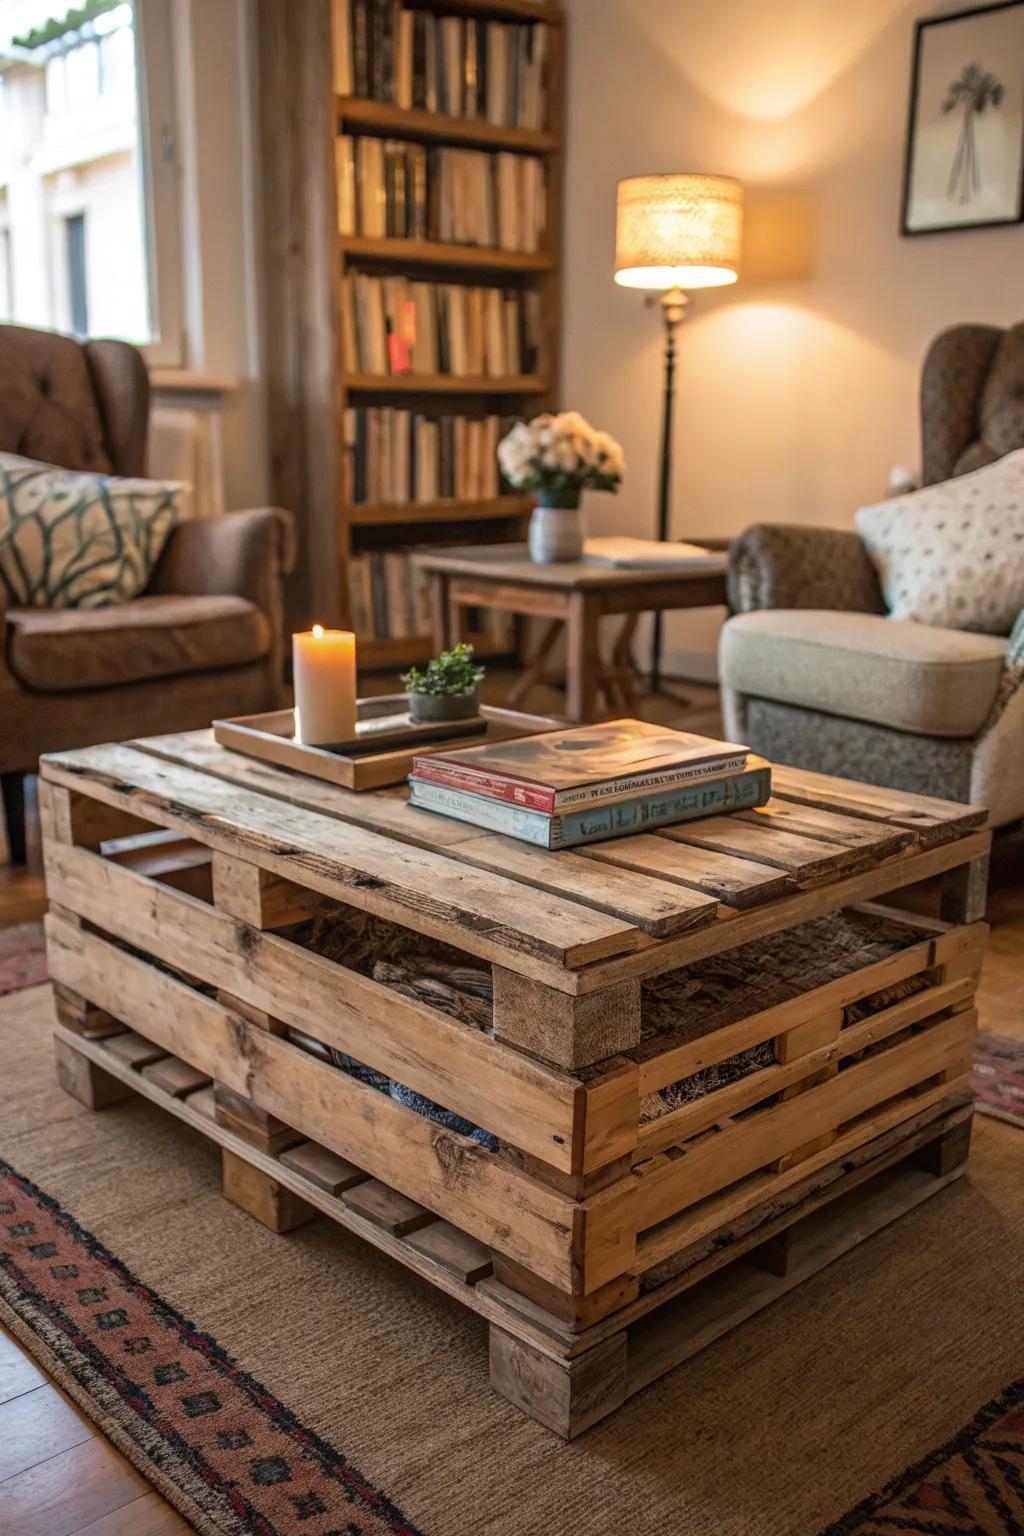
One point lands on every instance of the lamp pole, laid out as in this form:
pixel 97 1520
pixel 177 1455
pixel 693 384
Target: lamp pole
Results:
pixel 673 308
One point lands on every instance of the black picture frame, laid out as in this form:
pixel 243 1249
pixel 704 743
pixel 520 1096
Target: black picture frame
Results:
pixel 921 30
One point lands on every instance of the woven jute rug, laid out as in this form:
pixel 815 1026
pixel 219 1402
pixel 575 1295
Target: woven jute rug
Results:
pixel 308 1386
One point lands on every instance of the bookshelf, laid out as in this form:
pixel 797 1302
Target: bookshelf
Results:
pixel 379 527
pixel 313 381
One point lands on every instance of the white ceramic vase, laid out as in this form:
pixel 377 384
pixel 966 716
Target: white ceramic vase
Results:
pixel 556 534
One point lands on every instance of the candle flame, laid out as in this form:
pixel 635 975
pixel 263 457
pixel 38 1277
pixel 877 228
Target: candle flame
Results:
pixel 318 631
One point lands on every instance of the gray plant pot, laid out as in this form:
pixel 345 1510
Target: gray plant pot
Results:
pixel 427 708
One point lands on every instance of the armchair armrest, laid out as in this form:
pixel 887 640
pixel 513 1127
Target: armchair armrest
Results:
pixel 788 566
pixel 243 554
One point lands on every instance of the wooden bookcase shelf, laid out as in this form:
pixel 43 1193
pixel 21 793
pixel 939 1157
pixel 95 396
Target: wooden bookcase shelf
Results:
pixel 306 104
pixel 358 115
pixel 442 384
pixel 412 514
pixel 499 10
pixel 403 254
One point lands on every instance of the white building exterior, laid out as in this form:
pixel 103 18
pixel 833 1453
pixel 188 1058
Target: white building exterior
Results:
pixel 72 240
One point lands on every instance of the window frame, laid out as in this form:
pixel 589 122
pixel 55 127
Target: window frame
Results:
pixel 161 181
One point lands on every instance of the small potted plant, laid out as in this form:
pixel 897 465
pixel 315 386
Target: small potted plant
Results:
pixel 447 688
pixel 559 457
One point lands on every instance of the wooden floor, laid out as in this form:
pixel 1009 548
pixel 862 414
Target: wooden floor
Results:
pixel 59 1477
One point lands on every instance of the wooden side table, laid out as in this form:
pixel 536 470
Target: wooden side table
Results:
pixel 575 596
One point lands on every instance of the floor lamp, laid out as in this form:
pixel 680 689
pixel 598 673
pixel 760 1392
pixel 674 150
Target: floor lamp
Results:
pixel 674 233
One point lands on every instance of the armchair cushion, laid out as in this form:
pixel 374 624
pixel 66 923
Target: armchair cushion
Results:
pixel 70 649
pixel 953 554
pixel 910 677
pixel 778 565
pixel 74 539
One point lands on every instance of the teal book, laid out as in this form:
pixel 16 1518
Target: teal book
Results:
pixel 623 818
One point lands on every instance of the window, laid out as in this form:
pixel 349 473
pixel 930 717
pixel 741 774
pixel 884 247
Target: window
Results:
pixel 78 295
pixel 88 170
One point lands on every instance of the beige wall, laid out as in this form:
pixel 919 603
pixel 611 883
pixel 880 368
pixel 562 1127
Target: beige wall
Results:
pixel 798 386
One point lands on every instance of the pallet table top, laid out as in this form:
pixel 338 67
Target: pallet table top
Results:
pixel 579 920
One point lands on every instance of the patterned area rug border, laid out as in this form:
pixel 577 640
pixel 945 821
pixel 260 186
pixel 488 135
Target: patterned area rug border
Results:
pixel 999 1078
pixel 22 957
pixel 221 1447
pixel 973 1485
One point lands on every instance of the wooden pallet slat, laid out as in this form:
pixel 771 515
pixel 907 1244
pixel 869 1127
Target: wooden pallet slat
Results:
pixel 656 907
pixel 738 882
pixel 506 1091
pixel 927 817
pixel 399 882
pixel 807 858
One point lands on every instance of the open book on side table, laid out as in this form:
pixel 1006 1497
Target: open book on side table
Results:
pixel 624 554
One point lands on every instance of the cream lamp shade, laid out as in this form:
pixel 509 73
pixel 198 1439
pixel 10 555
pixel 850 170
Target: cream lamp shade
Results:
pixel 678 231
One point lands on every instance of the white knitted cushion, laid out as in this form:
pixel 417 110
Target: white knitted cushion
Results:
pixel 953 554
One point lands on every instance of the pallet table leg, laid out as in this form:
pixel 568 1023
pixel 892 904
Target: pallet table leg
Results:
pixel 790 1047
pixel 567 1396
pixel 946 1152
pixel 256 1193
pixel 76 1013
pixel 85 1081
pixel 569 1031
pixel 965 892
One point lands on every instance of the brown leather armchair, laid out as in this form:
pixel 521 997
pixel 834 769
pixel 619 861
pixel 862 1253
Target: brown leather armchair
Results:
pixel 207 636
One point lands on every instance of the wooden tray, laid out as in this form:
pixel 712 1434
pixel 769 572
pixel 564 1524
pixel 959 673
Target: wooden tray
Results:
pixel 383 754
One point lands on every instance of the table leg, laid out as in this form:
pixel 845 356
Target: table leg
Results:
pixel 535 671
pixel 583 661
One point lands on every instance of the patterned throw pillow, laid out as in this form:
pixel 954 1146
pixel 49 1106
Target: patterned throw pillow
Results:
pixel 952 555
pixel 72 539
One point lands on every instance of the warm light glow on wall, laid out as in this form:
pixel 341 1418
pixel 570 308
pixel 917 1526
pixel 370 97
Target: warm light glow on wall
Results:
pixel 780 58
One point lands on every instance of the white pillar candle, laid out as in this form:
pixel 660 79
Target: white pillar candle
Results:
pixel 324 668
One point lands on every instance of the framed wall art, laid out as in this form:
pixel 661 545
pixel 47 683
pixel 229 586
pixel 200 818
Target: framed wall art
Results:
pixel 965 139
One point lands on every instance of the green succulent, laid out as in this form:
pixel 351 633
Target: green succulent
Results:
pixel 453 672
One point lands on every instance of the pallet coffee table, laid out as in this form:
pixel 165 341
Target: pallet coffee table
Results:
pixel 708 1060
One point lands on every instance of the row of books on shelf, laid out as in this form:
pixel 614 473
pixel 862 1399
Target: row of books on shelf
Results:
pixel 393 455
pixel 562 789
pixel 390 601
pixel 394 189
pixel 395 325
pixel 492 71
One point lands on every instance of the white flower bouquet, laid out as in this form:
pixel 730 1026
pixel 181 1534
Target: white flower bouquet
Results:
pixel 559 457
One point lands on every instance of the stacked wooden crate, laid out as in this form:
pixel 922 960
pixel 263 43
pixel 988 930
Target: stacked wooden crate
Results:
pixel 574 1235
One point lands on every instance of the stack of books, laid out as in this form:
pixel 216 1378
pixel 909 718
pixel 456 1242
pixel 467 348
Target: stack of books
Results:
pixel 563 789
pixel 390 601
pixel 396 325
pixel 463 67
pixel 394 189
pixel 402 456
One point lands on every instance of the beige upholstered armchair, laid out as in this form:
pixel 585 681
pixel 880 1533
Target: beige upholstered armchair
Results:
pixel 207 636
pixel 815 676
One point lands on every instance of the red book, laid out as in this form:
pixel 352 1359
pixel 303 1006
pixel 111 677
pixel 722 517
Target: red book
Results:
pixel 590 765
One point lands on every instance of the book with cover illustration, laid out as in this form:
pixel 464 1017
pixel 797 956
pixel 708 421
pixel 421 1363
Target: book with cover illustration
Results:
pixel 591 763
pixel 595 824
